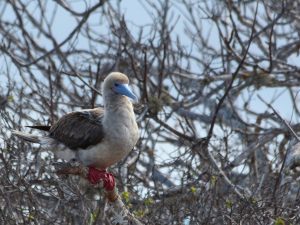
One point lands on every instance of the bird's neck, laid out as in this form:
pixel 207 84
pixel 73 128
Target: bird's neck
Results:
pixel 118 112
pixel 119 106
pixel 115 103
pixel 120 125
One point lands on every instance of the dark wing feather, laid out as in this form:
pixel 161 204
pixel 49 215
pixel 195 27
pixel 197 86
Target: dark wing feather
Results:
pixel 40 127
pixel 79 129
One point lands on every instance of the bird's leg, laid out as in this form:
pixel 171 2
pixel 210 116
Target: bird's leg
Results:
pixel 95 176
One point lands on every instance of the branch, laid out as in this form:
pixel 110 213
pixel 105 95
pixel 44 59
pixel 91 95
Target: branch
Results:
pixel 280 117
pixel 117 209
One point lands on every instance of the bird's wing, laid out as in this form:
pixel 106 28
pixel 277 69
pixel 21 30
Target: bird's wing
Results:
pixel 79 129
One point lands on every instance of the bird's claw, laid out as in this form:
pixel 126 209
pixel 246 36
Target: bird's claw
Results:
pixel 96 176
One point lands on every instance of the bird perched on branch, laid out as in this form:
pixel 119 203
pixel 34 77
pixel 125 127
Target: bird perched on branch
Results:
pixel 97 138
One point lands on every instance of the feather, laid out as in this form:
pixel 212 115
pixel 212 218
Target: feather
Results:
pixel 40 127
pixel 26 136
pixel 79 130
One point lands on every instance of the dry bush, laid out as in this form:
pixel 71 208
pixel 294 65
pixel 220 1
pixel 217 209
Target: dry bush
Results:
pixel 210 152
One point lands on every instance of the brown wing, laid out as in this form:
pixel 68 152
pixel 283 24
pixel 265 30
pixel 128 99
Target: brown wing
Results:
pixel 79 129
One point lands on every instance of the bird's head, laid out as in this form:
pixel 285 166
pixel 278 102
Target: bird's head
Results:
pixel 117 84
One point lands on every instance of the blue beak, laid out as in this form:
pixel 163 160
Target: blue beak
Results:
pixel 123 89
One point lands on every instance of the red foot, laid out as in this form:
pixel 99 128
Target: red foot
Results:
pixel 95 176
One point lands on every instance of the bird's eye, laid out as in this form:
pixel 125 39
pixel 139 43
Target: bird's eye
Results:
pixel 116 85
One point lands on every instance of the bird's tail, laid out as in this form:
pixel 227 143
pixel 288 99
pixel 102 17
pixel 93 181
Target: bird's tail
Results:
pixel 27 137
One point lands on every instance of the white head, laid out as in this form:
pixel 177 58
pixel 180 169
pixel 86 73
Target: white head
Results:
pixel 116 85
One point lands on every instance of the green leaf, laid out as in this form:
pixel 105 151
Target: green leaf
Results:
pixel 30 217
pixel 193 189
pixel 279 221
pixel 126 196
pixel 229 203
pixel 148 201
pixel 139 213
pixel 213 180
pixel 10 98
pixel 93 217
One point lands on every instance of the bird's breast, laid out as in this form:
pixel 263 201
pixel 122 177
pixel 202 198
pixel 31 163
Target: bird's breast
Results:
pixel 115 146
pixel 122 127
pixel 124 135
pixel 121 135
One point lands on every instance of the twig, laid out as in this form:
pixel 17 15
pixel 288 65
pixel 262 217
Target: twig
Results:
pixel 280 117
pixel 226 179
pixel 83 81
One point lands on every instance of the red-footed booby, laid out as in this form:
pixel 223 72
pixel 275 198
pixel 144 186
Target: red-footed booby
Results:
pixel 98 138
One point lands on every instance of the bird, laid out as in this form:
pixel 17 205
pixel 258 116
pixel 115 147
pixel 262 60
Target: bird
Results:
pixel 98 138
